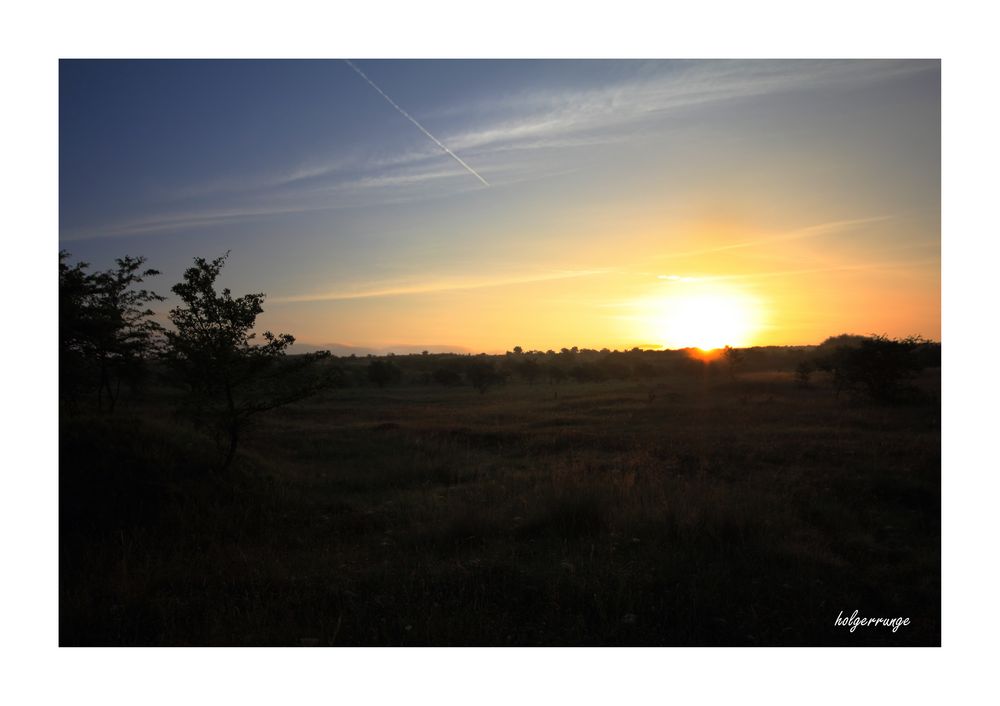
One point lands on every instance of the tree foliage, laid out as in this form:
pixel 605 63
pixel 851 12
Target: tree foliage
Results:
pixel 734 358
pixel 230 376
pixel 447 376
pixel 877 366
pixel 803 372
pixel 529 369
pixel 384 372
pixel 483 374
pixel 106 328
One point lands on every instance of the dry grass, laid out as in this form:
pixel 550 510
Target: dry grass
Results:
pixel 732 513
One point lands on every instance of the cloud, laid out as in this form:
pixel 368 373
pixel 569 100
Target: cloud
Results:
pixel 180 221
pixel 812 231
pixel 242 183
pixel 510 137
pixel 856 267
pixel 677 278
pixel 602 111
pixel 569 118
pixel 395 186
pixel 437 286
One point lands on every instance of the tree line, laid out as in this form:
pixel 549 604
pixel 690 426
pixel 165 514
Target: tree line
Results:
pixel 874 366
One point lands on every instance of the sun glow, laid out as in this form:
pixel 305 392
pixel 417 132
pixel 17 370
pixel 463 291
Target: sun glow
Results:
pixel 705 319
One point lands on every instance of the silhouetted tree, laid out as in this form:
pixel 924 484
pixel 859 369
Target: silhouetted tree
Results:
pixel 230 378
pixel 129 336
pixel 734 358
pixel 643 369
pixel 483 374
pixel 447 377
pixel 877 366
pixel 529 369
pixel 587 372
pixel 384 372
pixel 106 328
pixel 803 372
pixel 75 323
pixel 611 368
pixel 832 343
pixel 555 372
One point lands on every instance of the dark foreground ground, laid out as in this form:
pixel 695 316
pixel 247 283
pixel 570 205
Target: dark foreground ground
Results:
pixel 683 513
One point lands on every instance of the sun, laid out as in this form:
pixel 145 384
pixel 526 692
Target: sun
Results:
pixel 706 319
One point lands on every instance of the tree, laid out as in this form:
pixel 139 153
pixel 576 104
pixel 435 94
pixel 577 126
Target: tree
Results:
pixel 803 372
pixel 107 332
pixel 384 372
pixel 483 374
pixel 75 290
pixel 734 358
pixel 555 372
pixel 877 366
pixel 129 336
pixel 529 369
pixel 449 377
pixel 230 378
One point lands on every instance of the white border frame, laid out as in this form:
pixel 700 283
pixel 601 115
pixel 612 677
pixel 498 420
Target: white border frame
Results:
pixel 962 33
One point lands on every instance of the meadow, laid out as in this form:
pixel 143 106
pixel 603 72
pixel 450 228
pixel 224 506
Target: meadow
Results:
pixel 684 510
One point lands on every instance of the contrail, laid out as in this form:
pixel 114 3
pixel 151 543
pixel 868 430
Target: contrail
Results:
pixel 420 127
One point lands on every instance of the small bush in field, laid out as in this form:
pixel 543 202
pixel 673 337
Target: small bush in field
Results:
pixel 384 372
pixel 803 373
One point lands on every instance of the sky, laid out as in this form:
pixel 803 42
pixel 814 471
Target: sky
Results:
pixel 481 205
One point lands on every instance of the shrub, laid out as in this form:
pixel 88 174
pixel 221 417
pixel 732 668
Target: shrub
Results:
pixel 803 372
pixel 447 377
pixel 877 366
pixel 483 374
pixel 384 372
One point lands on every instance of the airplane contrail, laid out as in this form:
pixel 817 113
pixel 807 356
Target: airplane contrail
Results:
pixel 420 127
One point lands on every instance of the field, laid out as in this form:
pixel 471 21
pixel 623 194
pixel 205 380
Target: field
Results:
pixel 681 511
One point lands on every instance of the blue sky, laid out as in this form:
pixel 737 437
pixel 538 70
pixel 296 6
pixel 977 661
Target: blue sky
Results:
pixel 605 177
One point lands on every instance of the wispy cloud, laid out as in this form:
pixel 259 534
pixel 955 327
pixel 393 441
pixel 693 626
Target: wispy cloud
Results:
pixel 255 183
pixel 677 278
pixel 402 184
pixel 817 230
pixel 853 267
pixel 604 110
pixel 181 220
pixel 573 118
pixel 512 138
pixel 438 286
pixel 813 231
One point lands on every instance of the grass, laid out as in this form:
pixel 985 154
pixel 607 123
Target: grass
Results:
pixel 747 512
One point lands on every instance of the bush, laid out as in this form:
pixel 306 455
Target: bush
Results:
pixel 529 369
pixel 384 372
pixel 483 374
pixel 877 366
pixel 803 372
pixel 447 377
